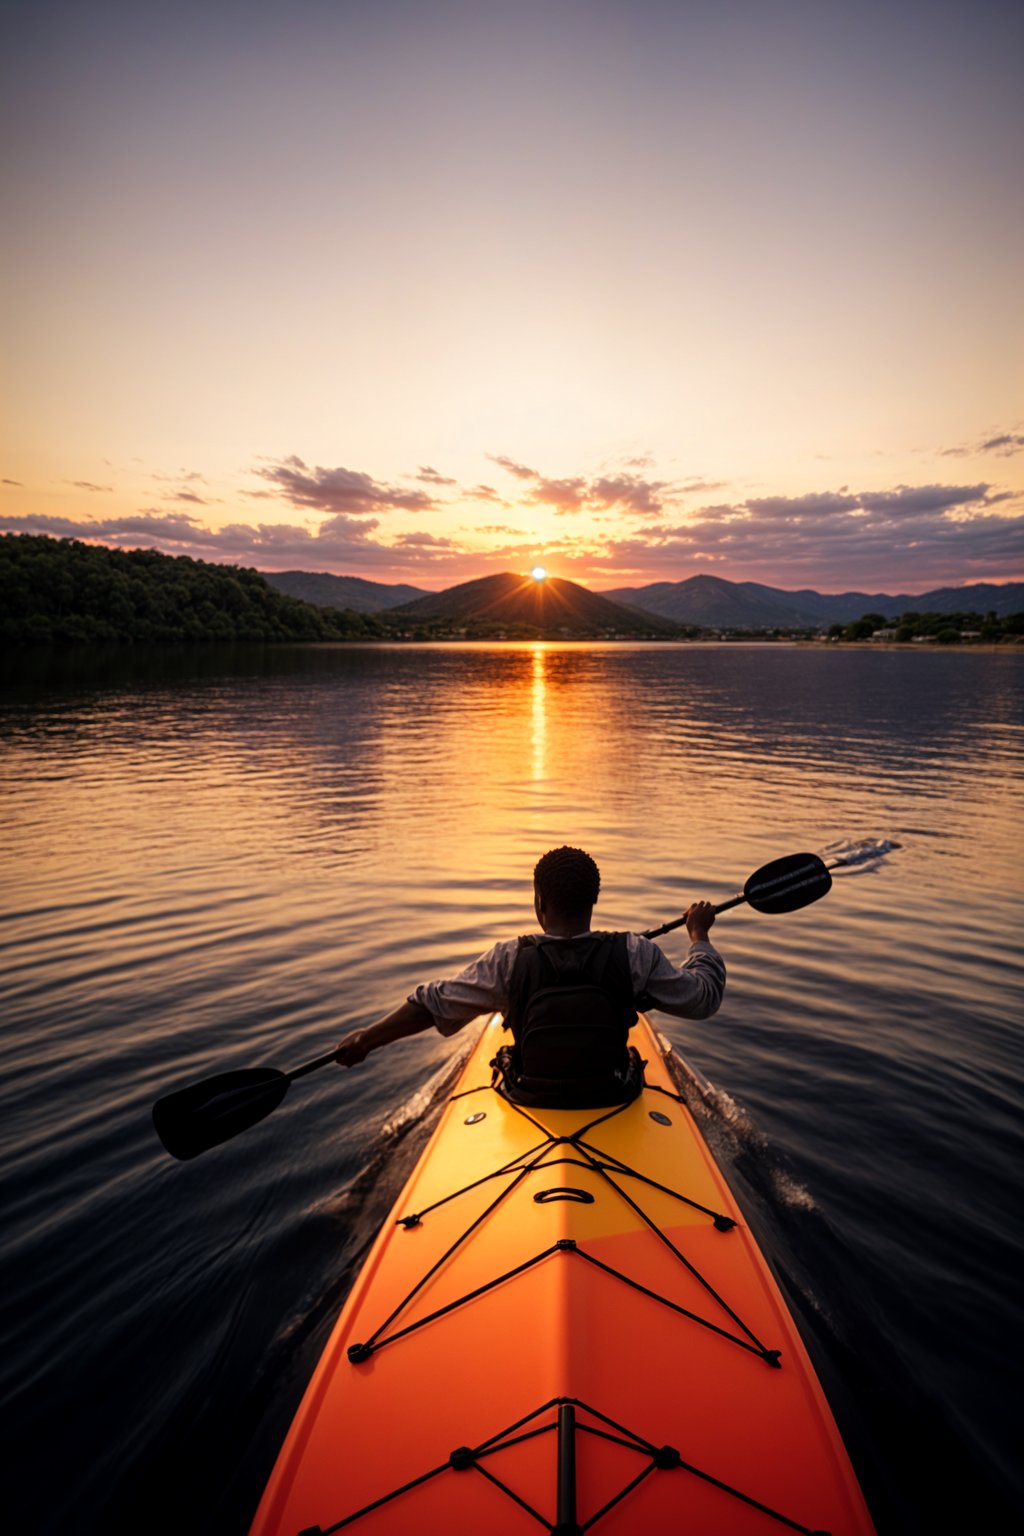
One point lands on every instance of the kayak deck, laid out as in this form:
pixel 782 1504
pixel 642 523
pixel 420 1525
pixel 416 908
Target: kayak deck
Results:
pixel 565 1324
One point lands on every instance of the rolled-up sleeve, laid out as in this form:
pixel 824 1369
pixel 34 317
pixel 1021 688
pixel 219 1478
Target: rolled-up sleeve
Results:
pixel 481 988
pixel 694 991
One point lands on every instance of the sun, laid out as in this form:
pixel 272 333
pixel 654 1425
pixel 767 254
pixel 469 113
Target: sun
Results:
pixel 538 573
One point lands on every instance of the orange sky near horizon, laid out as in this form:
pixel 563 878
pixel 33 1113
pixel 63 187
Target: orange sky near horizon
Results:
pixel 420 293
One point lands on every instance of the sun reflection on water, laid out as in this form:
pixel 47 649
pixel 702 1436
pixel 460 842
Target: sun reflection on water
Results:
pixel 539 719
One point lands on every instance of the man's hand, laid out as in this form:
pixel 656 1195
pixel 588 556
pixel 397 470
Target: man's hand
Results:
pixel 407 1019
pixel 354 1048
pixel 698 918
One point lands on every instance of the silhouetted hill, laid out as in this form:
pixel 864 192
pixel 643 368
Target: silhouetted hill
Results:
pixel 509 602
pixel 60 591
pixel 715 602
pixel 352 592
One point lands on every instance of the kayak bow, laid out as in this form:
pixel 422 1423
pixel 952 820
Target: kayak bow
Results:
pixel 566 1323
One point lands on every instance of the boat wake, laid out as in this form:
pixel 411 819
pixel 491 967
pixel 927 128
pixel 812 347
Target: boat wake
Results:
pixel 733 1136
pixel 857 853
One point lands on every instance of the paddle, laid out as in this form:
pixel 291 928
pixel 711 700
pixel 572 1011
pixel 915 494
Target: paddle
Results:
pixel 202 1116
pixel 784 885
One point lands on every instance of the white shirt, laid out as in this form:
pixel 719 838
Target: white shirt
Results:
pixel 693 992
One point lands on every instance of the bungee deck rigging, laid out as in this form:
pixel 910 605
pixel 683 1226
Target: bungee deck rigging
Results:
pixel 605 1303
pixel 592 1158
pixel 567 1424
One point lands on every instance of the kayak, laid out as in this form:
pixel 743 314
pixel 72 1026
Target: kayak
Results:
pixel 565 1322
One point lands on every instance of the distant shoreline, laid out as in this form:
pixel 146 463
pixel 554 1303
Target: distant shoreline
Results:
pixel 368 642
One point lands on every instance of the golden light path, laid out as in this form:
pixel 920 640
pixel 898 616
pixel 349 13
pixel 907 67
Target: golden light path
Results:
pixel 539 714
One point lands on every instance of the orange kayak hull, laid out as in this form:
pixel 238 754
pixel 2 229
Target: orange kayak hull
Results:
pixel 566 1323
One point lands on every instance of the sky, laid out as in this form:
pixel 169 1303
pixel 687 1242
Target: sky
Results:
pixel 634 289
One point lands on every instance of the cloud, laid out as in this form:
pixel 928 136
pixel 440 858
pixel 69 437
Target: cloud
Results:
pixel 432 477
pixel 521 471
pixel 485 493
pixel 497 528
pixel 567 495
pixel 907 500
pixel 57 527
pixel 919 536
pixel 792 509
pixel 694 484
pixel 11 482
pixel 628 492
pixel 426 543
pixel 177 531
pixel 339 542
pixel 340 490
pixel 200 501
pixel 1003 444
pixel 87 485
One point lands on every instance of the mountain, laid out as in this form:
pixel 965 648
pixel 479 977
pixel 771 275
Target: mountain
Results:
pixel 717 603
pixel 508 601
pixel 712 601
pixel 350 592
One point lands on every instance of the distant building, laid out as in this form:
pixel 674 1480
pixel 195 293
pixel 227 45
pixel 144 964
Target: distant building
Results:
pixel 885 634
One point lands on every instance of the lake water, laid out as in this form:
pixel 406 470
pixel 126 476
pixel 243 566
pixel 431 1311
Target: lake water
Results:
pixel 219 858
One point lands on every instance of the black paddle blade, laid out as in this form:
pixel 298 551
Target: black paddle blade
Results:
pixel 194 1119
pixel 786 885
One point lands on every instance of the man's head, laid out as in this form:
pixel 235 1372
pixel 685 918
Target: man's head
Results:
pixel 566 882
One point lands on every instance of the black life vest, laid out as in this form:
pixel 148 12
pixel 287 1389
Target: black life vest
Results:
pixel 571 1007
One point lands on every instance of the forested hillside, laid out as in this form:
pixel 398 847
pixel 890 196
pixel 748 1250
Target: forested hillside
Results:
pixel 60 591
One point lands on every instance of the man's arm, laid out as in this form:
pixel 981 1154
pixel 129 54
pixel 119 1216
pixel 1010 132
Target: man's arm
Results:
pixel 444 1005
pixel 408 1018
pixel 693 992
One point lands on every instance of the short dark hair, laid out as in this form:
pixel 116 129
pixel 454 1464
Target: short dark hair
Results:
pixel 567 879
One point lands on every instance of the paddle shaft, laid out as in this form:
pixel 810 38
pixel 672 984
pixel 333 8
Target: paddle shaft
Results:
pixel 656 933
pixel 311 1066
pixel 723 906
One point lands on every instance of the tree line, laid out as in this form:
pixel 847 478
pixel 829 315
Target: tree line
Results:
pixel 942 628
pixel 64 592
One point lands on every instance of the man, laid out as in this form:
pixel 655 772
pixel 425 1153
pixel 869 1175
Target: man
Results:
pixel 568 994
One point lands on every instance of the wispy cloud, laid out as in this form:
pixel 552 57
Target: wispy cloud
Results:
pixel 430 542
pixel 693 485
pixel 88 485
pixel 521 471
pixel 627 492
pixel 498 529
pixel 433 477
pixel 566 495
pixel 1003 444
pixel 340 490
pixel 339 542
